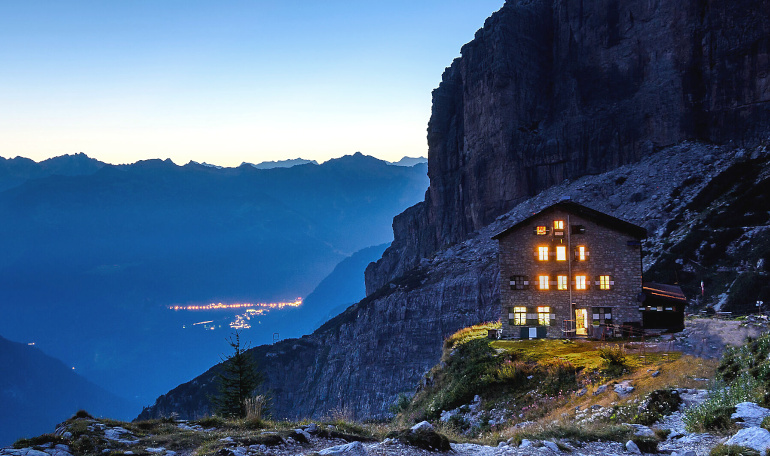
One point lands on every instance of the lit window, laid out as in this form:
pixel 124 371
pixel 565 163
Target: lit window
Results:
pixel 519 316
pixel 558 224
pixel 581 253
pixel 562 282
pixel 580 282
pixel 542 253
pixel 543 282
pixel 561 253
pixel 543 316
pixel 541 230
pixel 604 282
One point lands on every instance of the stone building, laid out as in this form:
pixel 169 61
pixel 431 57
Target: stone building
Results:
pixel 570 271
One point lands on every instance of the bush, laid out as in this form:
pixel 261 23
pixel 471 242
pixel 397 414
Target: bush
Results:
pixel 646 444
pixel 82 414
pixel 657 405
pixel 614 358
pixel 425 439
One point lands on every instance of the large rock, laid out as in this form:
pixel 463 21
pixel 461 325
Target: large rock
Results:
pixel 349 449
pixel 749 414
pixel 553 89
pixel 753 437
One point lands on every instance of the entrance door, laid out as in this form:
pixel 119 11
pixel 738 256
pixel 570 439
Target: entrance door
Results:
pixel 581 322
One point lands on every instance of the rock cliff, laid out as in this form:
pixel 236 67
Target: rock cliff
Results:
pixel 359 361
pixel 553 89
pixel 547 92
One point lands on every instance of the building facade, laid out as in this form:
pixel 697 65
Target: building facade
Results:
pixel 570 271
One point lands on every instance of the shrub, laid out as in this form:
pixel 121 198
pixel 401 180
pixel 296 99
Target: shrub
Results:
pixel 425 439
pixel 658 404
pixel 82 414
pixel 614 358
pixel 646 444
pixel 255 406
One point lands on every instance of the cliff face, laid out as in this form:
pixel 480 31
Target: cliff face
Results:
pixel 548 91
pixel 553 90
pixel 360 360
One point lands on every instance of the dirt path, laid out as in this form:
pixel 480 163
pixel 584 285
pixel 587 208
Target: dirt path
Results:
pixel 708 337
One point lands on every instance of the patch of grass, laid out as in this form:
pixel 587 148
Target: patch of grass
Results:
pixel 646 444
pixel 211 422
pixel 733 450
pixel 714 413
pixel 572 431
pixel 470 333
pixel 39 440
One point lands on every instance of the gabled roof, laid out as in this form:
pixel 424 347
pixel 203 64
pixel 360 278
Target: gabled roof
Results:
pixel 672 292
pixel 599 218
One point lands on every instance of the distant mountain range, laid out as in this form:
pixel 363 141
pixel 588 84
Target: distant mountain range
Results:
pixel 94 254
pixel 38 391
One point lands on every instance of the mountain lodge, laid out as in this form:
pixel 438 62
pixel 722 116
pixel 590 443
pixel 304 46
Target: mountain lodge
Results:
pixel 572 271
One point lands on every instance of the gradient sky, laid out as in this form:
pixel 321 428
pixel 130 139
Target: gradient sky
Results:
pixel 225 82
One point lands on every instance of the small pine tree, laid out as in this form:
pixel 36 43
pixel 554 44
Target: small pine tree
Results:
pixel 236 381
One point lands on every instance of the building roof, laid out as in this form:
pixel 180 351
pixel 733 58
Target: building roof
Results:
pixel 599 218
pixel 659 290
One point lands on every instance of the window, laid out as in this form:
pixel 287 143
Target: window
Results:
pixel 605 282
pixel 542 253
pixel 561 253
pixel 519 316
pixel 581 254
pixel 602 315
pixel 558 227
pixel 544 316
pixel 543 279
pixel 561 282
pixel 578 229
pixel 541 230
pixel 580 282
pixel 519 282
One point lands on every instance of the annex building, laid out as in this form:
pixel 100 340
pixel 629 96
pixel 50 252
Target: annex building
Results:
pixel 570 271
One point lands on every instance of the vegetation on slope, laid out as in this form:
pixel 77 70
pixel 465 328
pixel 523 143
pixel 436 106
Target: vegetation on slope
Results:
pixel 542 382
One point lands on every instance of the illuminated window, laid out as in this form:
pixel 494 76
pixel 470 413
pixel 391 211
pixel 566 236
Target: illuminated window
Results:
pixel 582 253
pixel 580 282
pixel 561 253
pixel 542 253
pixel 604 282
pixel 562 282
pixel 558 224
pixel 543 316
pixel 543 282
pixel 541 230
pixel 519 316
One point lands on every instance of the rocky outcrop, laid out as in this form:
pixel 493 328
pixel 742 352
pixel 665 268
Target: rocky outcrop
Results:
pixel 359 361
pixel 553 89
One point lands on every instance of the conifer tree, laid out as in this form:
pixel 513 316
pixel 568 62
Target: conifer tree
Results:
pixel 236 381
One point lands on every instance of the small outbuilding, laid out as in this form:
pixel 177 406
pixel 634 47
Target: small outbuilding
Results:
pixel 662 306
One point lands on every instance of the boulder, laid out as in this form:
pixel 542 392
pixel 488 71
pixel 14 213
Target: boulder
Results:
pixel 422 426
pixel 749 414
pixel 349 449
pixel 753 437
pixel 632 448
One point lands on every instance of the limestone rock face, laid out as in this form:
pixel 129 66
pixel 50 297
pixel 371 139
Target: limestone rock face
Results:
pixel 555 89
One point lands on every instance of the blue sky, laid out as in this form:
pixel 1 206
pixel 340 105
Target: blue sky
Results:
pixel 225 82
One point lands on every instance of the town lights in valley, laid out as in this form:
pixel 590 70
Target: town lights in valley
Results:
pixel 222 306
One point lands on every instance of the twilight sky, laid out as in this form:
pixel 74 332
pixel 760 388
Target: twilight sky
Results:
pixel 225 82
